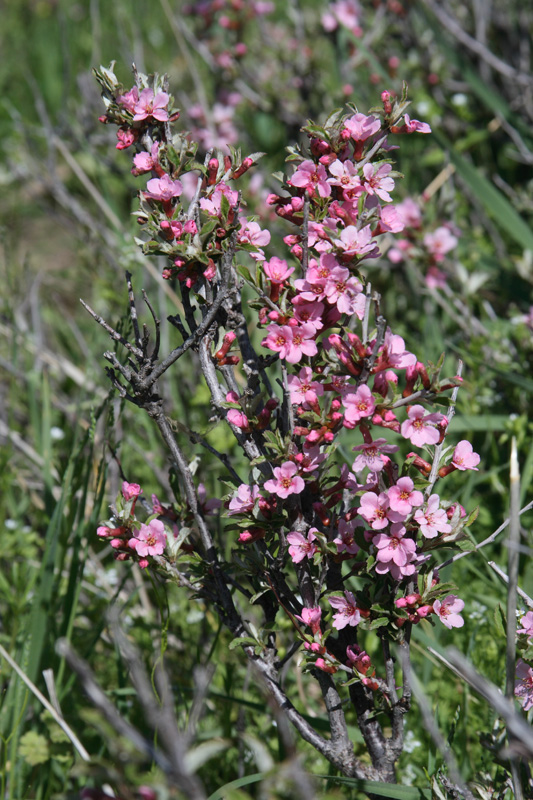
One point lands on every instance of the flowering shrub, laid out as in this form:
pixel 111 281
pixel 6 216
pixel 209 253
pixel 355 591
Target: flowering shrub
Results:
pixel 337 546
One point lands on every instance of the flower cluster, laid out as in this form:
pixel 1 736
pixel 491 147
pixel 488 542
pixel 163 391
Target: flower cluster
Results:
pixel 378 518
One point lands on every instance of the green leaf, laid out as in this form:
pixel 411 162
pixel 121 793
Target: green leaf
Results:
pixel 500 620
pixel 34 748
pixel 494 202
pixel 242 640
pixel 224 791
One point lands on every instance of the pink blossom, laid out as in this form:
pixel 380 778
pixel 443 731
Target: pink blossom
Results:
pixel 129 99
pixel 356 242
pixel 433 520
pixel 212 204
pixel 244 500
pixel 413 125
pixel 303 389
pixel 346 176
pixel 277 270
pixel 311 617
pixel 163 188
pixel 409 211
pixel 286 481
pixel 130 490
pixel 310 459
pixel 344 540
pixel 310 312
pixel 377 182
pixel 393 354
pixel 359 405
pixel 371 455
pixel 300 546
pixel 311 176
pixel 292 343
pixel 345 13
pixel 146 162
pixel 376 510
pixel 150 106
pixel 420 427
pixel 403 497
pixel 362 127
pixel 252 233
pixel 345 292
pixel 347 611
pixel 395 553
pixel 126 137
pixel 440 242
pixel 209 507
pixel 435 278
pixel 150 540
pixel 448 610
pixel 238 418
pixel 527 625
pixel 523 688
pixel 464 457
pixel 390 220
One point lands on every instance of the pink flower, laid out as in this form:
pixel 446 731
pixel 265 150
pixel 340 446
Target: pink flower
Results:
pixel 395 553
pixel 300 547
pixel 403 496
pixel 356 242
pixel 527 625
pixel 238 418
pixel 371 455
pixel 410 213
pixel 346 176
pixel 163 188
pixel 433 520
pixel 310 459
pixel 150 106
pixel 251 233
pixel 130 490
pixel 303 389
pixel 146 162
pixel 129 99
pixel 347 611
pixel 390 220
pixel 394 353
pixel 277 270
pixel 151 540
pixel 244 500
pixel 420 427
pixel 376 510
pixel 286 481
pixel 440 242
pixel 464 457
pixel 345 13
pixel 212 204
pixel 448 611
pixel 311 617
pixel 345 292
pixel 413 125
pixel 292 343
pixel 523 687
pixel 310 312
pixel 377 182
pixel 344 540
pixel 362 127
pixel 358 405
pixel 312 177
